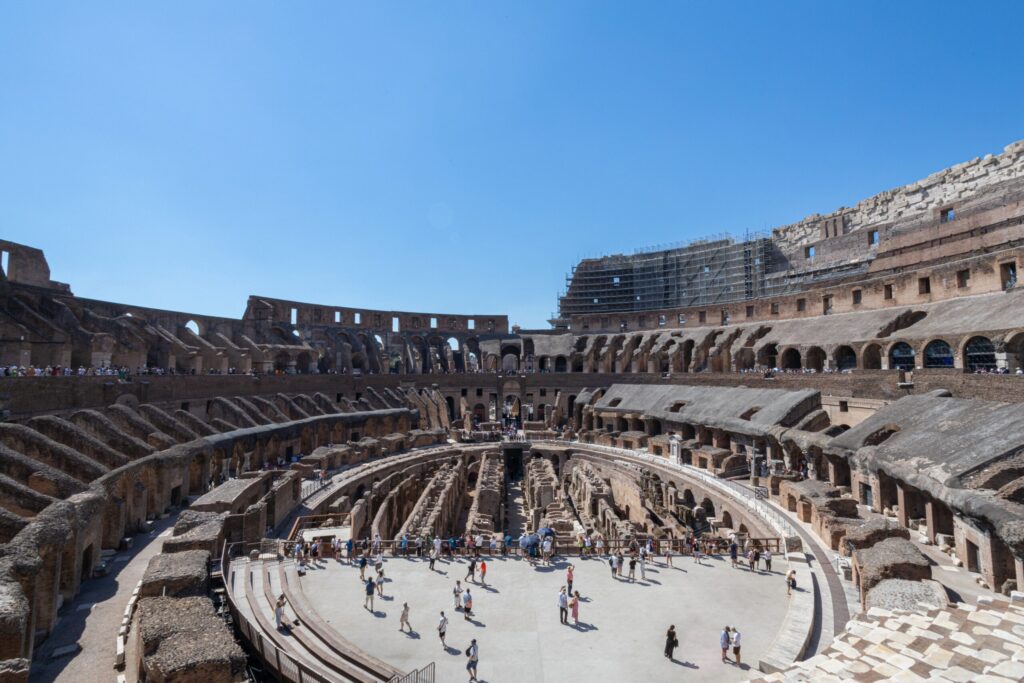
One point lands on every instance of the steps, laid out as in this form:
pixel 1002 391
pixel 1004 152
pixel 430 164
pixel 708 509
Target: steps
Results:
pixel 255 587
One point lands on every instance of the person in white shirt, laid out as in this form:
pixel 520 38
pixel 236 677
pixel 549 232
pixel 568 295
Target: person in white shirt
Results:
pixel 735 640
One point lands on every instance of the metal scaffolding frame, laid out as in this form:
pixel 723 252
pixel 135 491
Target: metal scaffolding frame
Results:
pixel 705 272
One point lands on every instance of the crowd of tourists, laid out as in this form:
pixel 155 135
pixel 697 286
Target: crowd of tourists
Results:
pixel 625 561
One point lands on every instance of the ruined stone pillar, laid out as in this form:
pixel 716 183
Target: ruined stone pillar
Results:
pixel 902 514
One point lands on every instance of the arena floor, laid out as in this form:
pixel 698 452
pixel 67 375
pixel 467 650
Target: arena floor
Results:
pixel 622 626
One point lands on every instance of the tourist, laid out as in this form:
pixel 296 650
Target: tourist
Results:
pixel 368 601
pixel 442 628
pixel 362 567
pixel 790 581
pixel 405 545
pixel 668 552
pixel 279 613
pixel 735 640
pixel 457 595
pixel 574 606
pixel 569 573
pixel 473 653
pixel 433 558
pixel 751 562
pixel 767 557
pixel 471 572
pixel 348 550
pixel 586 545
pixel 620 563
pixel 613 562
pixel 671 642
pixel 437 546
pixel 563 606
pixel 734 554
pixel 467 604
pixel 483 572
pixel 403 620
pixel 643 566
pixel 380 582
pixel 600 544
pixel 723 642
pixel 632 568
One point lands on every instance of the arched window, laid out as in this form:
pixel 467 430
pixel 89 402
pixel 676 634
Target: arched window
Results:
pixel 872 357
pixel 938 354
pixel 815 359
pixel 791 359
pixel 901 357
pixel 846 358
pixel 980 354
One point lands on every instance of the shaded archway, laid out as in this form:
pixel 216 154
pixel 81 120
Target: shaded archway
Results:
pixel 768 356
pixel 901 357
pixel 846 358
pixel 560 364
pixel 938 354
pixel 791 359
pixel 814 359
pixel 979 354
pixel 871 357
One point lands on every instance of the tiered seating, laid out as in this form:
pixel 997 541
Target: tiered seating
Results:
pixel 255 588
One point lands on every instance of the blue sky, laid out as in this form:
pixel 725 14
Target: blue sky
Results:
pixel 461 157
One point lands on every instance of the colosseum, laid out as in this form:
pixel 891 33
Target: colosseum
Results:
pixel 814 437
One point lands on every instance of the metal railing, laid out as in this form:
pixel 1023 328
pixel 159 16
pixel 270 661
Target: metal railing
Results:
pixel 424 675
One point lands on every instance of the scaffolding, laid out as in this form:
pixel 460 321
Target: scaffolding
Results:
pixel 705 272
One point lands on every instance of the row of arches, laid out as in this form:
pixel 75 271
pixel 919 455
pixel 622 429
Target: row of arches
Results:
pixel 979 354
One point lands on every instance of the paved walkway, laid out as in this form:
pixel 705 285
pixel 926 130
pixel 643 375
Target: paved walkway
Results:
pixel 622 625
pixel 92 619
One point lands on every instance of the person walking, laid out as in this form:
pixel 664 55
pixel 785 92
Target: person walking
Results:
pixel 734 554
pixel 380 582
pixel 767 557
pixel 279 613
pixel 442 629
pixel 433 558
pixel 362 567
pixel 790 581
pixel 620 564
pixel 563 606
pixel 696 552
pixel 671 642
pixel 632 568
pixel 368 602
pixel 473 653
pixel 734 639
pixel 723 641
pixel 457 595
pixel 403 621
pixel 667 543
pixel 483 572
pixel 613 562
pixel 574 607
pixel 569 572
pixel 467 604
pixel 643 566
pixel 471 572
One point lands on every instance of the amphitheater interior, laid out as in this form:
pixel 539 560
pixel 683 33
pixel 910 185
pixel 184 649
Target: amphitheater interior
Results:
pixel 845 392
